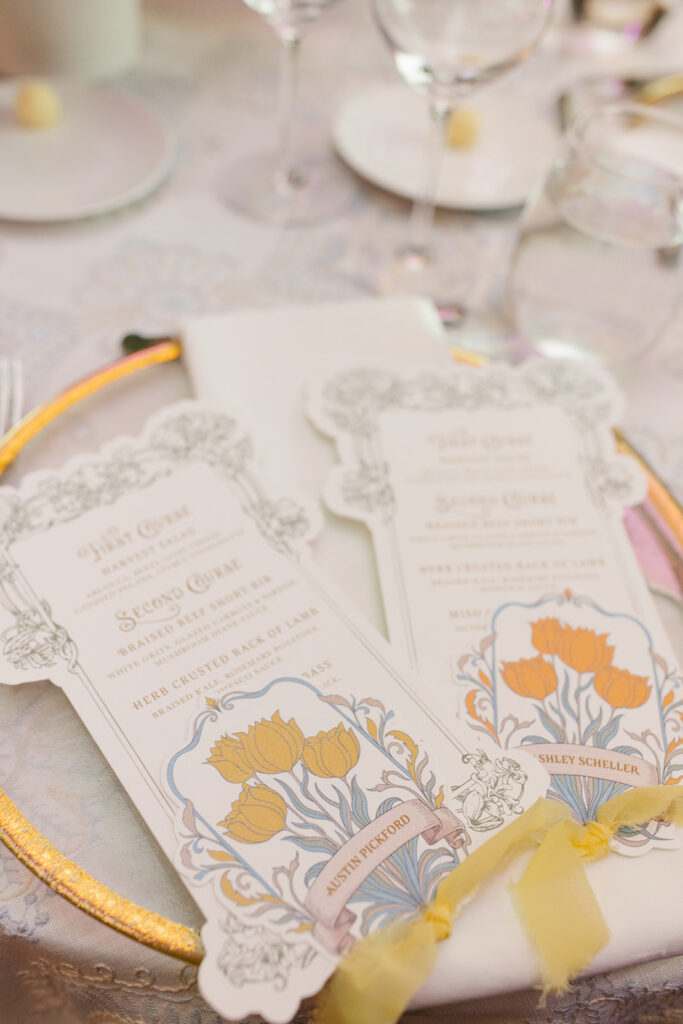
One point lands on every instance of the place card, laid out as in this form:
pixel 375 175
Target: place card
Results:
pixel 279 756
pixel 494 496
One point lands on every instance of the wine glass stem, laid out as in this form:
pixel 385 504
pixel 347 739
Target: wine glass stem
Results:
pixel 287 175
pixel 418 250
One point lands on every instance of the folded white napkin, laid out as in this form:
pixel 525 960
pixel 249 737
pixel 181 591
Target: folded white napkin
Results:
pixel 257 362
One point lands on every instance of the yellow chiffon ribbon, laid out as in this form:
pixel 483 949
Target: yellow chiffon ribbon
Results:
pixel 378 977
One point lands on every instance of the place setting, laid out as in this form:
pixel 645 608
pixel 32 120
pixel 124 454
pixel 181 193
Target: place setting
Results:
pixel 340 649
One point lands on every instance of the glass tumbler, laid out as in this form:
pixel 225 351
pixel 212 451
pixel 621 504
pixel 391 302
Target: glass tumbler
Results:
pixel 597 267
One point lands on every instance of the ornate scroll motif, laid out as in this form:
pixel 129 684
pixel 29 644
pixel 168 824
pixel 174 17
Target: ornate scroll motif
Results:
pixel 187 436
pixel 353 401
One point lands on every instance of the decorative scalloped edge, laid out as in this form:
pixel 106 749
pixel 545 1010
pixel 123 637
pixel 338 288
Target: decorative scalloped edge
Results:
pixel 17 833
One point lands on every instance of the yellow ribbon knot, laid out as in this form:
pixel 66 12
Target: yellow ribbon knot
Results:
pixel 441 916
pixel 379 976
pixel 592 841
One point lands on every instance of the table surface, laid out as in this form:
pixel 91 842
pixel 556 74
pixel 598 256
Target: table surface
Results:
pixel 69 292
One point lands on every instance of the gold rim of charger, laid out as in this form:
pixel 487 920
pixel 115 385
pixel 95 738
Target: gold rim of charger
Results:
pixel 16 831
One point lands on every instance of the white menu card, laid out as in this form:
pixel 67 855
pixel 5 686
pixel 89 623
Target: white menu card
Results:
pixel 282 760
pixel 495 501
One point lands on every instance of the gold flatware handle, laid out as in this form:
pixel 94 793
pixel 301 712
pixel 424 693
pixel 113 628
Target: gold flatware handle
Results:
pixel 659 90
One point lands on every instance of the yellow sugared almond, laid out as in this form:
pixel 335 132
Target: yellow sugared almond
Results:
pixel 37 105
pixel 462 128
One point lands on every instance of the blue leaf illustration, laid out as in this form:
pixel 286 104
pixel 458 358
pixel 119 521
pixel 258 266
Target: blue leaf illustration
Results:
pixel 568 789
pixel 405 861
pixel 604 790
pixel 387 804
pixel 305 810
pixel 608 732
pixel 433 865
pixel 625 749
pixel 378 916
pixel 315 845
pixel 359 803
pixel 375 891
pixel 592 727
pixel 313 872
pixel 548 724
pixel 312 826
pixel 344 809
pixel 565 699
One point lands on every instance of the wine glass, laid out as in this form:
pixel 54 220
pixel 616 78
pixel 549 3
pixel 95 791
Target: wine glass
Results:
pixel 278 185
pixel 445 49
pixel 597 270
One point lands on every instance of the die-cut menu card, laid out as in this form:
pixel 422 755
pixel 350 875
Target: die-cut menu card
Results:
pixel 287 767
pixel 495 501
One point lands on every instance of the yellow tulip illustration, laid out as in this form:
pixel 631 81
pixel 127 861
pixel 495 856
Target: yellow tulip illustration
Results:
pixel 530 677
pixel 546 635
pixel 331 754
pixel 272 746
pixel 257 815
pixel 620 688
pixel 584 650
pixel 229 758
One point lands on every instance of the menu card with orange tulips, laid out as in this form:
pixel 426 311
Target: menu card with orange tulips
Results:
pixel 283 761
pixel 495 500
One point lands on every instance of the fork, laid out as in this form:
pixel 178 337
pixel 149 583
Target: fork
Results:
pixel 11 393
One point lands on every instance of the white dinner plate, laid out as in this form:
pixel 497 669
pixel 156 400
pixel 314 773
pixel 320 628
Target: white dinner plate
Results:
pixel 383 135
pixel 107 150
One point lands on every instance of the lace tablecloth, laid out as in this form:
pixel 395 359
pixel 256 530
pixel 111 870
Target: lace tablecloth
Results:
pixel 68 293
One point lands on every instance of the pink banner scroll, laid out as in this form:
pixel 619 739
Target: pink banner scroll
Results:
pixel 358 858
pixel 594 763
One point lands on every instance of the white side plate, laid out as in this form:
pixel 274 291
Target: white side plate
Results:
pixel 384 136
pixel 108 150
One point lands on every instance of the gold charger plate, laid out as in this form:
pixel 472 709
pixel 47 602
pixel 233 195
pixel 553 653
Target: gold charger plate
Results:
pixel 31 847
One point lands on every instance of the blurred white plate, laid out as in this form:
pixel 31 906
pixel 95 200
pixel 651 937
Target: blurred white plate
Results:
pixel 384 136
pixel 108 150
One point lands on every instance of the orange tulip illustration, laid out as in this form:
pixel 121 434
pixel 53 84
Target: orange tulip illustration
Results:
pixel 584 650
pixel 229 758
pixel 273 746
pixel 257 815
pixel 546 635
pixel 620 688
pixel 530 677
pixel 330 755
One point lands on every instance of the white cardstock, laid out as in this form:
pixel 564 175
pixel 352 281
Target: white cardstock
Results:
pixel 495 496
pixel 306 795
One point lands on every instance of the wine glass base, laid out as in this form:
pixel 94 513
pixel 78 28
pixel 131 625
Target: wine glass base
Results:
pixel 321 191
pixel 614 354
pixel 416 271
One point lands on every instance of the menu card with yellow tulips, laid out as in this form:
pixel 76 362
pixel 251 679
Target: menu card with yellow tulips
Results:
pixel 282 760
pixel 495 500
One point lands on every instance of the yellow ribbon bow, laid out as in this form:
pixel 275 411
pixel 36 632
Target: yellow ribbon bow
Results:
pixel 378 977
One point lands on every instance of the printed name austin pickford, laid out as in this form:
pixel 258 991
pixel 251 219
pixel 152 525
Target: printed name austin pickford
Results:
pixel 373 844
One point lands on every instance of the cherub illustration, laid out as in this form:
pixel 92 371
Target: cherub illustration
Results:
pixel 492 791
